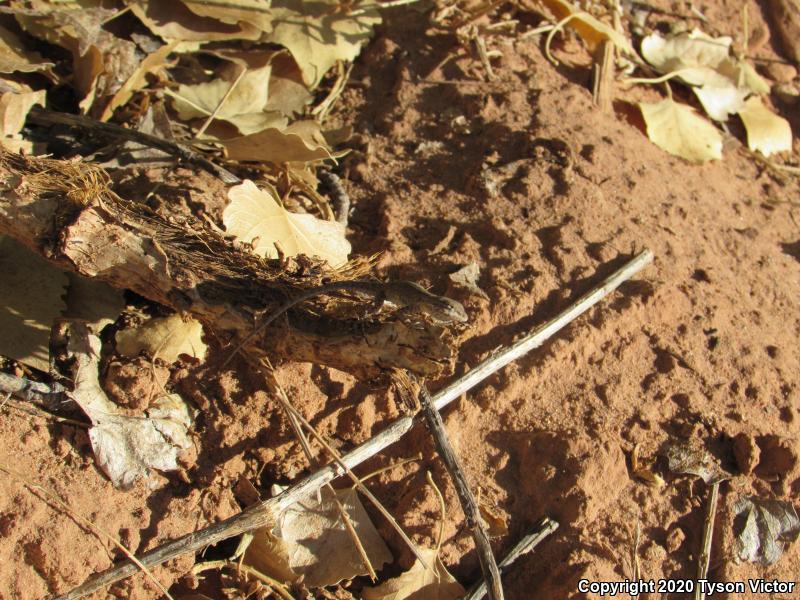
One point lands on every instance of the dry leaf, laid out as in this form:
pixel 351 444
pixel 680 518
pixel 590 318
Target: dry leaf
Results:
pixel 496 523
pixel 254 216
pixel 593 31
pixel 761 526
pixel 300 142
pixel 14 109
pixel 173 21
pixel 255 13
pixel 766 132
pixel 165 338
pixel 243 107
pixel 320 33
pixel 31 291
pixel 467 277
pixel 102 62
pixel 311 540
pixel 419 583
pixel 696 54
pixel 678 129
pixel 126 448
pixel 689 458
pixel 287 92
pixel 154 62
pixel 722 82
pixel 14 58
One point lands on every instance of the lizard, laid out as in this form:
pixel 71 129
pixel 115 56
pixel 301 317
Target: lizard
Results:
pixel 404 294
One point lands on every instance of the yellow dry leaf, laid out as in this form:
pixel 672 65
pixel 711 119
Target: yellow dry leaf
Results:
pixel 174 21
pixel 287 92
pixel 14 108
pixel 419 583
pixel 243 107
pixel 255 217
pixel 495 521
pixel 320 33
pixel 165 338
pixel 14 58
pixel 310 540
pixel 302 141
pixel 31 291
pixel 254 13
pixel 723 82
pixel 151 64
pixel 766 132
pixel 678 129
pixel 592 30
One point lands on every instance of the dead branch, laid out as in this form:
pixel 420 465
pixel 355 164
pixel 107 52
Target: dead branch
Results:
pixel 259 515
pixel 67 212
pixel 527 544
pixel 467 500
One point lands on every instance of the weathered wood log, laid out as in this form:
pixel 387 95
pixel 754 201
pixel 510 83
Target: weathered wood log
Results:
pixel 67 212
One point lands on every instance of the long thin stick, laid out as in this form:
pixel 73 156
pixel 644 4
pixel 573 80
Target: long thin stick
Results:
pixel 260 514
pixel 543 528
pixel 468 504
pixel 49 117
pixel 708 534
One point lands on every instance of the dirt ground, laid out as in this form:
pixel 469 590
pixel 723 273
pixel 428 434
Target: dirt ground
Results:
pixel 701 346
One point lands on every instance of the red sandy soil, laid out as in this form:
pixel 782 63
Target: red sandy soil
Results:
pixel 701 346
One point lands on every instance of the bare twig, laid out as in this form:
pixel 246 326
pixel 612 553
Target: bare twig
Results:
pixel 708 533
pixel 603 72
pixel 49 117
pixel 468 504
pixel 543 528
pixel 263 513
pixel 220 104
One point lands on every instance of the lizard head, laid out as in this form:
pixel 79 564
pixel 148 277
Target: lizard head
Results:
pixel 447 310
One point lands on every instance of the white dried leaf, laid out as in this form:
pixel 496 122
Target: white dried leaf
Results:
pixel 254 216
pixel 126 448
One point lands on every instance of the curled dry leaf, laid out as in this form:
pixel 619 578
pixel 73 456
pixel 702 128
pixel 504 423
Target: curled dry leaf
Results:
pixel 102 62
pixel 300 142
pixel 691 459
pixel 720 81
pixel 677 129
pixel 153 63
pixel 761 526
pixel 173 21
pixel 14 57
pixel 766 132
pixel 14 108
pixel 250 13
pixel 419 583
pixel 592 30
pixel 320 33
pixel 126 448
pixel 255 217
pixel 165 338
pixel 311 541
